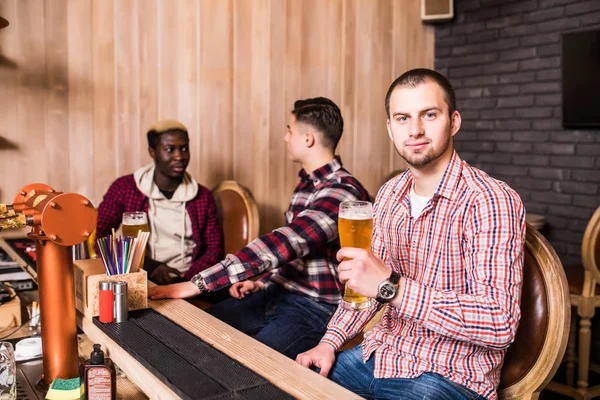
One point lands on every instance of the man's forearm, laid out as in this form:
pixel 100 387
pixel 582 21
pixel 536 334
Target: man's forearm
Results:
pixel 481 319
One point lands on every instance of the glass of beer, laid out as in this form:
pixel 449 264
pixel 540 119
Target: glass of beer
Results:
pixel 355 225
pixel 133 222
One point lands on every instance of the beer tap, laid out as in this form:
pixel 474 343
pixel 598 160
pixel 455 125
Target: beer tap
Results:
pixel 58 221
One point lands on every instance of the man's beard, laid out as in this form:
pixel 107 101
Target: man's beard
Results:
pixel 424 158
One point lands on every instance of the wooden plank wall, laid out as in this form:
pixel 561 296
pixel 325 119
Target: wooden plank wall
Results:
pixel 80 81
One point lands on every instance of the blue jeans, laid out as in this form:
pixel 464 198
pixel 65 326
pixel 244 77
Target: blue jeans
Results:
pixel 351 372
pixel 285 321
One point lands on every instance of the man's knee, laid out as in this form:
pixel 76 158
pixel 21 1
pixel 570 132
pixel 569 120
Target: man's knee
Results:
pixel 223 309
pixel 351 372
pixel 427 386
pixel 347 364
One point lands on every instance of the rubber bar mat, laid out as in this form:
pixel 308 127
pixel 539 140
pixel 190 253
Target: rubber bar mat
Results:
pixel 185 363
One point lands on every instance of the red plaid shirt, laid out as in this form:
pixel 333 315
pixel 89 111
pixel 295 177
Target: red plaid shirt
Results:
pixel 302 253
pixel 124 196
pixel 462 259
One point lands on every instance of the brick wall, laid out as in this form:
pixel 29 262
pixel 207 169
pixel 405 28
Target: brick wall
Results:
pixel 503 58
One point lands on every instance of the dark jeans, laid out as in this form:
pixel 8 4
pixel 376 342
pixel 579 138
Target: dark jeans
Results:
pixel 285 321
pixel 351 372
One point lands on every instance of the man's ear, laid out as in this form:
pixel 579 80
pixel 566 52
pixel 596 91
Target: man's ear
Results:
pixel 389 129
pixel 456 122
pixel 310 139
pixel 152 153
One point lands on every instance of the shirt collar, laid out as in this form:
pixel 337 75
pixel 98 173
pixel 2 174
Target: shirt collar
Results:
pixel 451 177
pixel 447 186
pixel 321 174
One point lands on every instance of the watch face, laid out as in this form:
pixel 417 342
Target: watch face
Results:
pixel 387 291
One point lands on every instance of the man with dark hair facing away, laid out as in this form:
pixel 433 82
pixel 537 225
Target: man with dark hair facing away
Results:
pixel 288 309
pixel 185 236
pixel 446 258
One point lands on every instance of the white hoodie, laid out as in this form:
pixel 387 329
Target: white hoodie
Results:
pixel 170 225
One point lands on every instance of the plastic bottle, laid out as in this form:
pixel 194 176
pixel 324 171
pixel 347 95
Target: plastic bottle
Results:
pixel 99 376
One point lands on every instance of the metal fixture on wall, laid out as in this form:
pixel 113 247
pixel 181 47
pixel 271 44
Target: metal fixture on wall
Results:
pixel 437 10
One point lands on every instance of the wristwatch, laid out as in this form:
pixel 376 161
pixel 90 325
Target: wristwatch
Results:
pixel 198 280
pixel 387 289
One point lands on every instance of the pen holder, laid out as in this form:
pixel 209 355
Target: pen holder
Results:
pixel 88 273
pixel 137 291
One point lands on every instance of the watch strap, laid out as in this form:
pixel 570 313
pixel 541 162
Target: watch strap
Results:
pixel 394 278
pixel 199 282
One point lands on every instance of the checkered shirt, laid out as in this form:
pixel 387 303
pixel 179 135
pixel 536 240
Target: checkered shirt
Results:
pixel 462 259
pixel 300 255
pixel 124 196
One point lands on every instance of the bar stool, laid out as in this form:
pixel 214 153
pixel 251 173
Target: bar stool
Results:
pixel 238 215
pixel 535 355
pixel 585 297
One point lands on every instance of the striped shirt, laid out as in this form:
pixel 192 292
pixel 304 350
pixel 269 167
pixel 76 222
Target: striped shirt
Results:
pixel 301 255
pixel 462 259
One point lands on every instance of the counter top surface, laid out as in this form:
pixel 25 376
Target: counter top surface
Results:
pixel 283 372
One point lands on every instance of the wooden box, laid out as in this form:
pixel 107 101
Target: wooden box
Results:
pixel 10 313
pixel 88 275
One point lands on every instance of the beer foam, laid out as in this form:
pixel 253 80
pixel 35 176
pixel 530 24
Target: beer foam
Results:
pixel 356 214
pixel 134 219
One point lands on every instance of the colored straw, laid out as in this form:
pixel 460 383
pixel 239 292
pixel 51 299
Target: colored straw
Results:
pixel 122 255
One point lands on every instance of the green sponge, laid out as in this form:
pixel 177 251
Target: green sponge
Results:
pixel 65 389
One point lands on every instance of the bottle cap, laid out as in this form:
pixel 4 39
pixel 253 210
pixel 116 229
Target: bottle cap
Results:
pixel 120 287
pixel 106 285
pixel 97 356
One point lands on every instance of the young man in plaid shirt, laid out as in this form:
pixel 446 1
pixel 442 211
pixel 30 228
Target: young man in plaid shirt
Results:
pixel 185 237
pixel 288 309
pixel 446 257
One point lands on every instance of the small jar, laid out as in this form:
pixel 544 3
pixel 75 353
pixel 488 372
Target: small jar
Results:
pixel 106 298
pixel 120 290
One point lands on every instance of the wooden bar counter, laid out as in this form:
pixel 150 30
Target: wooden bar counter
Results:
pixel 283 372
